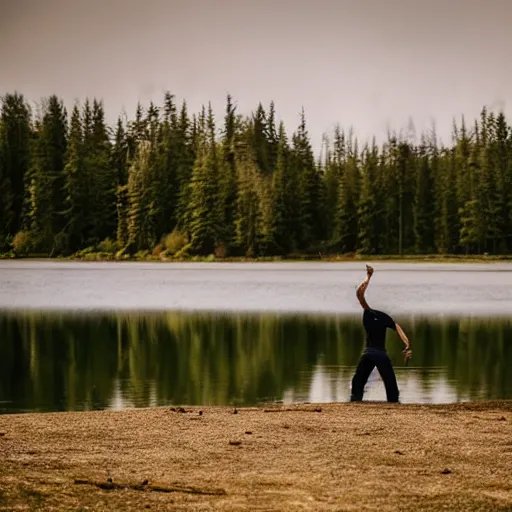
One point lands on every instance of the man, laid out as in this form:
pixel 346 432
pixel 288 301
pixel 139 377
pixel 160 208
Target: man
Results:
pixel 375 324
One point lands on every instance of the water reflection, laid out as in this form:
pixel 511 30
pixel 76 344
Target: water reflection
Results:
pixel 75 361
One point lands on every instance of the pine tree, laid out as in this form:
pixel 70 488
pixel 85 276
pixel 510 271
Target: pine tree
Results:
pixel 284 204
pixel 500 184
pixel 249 211
pixel 228 178
pixel 136 132
pixel 136 192
pixel 156 184
pixel 47 189
pixel 346 220
pixel 259 131
pixel 438 192
pixel 103 175
pixel 272 137
pixel 169 147
pixel 470 222
pixel 406 177
pixel 448 240
pixel 77 206
pixel 39 197
pixel 6 213
pixel 388 184
pixel 203 219
pixel 424 203
pixel 14 162
pixel 505 164
pixel 186 154
pixel 88 174
pixel 311 191
pixel 119 154
pixel 331 184
pixel 368 242
pixel 119 164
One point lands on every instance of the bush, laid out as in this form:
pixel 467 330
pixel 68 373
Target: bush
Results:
pixel 142 255
pixel 157 251
pixel 108 245
pixel 83 252
pixel 23 243
pixel 98 256
pixel 175 241
pixel 183 253
pixel 122 255
pixel 91 254
pixel 220 250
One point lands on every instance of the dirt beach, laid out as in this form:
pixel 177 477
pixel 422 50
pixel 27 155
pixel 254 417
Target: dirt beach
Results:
pixel 358 457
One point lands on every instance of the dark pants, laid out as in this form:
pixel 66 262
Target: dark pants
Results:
pixel 370 359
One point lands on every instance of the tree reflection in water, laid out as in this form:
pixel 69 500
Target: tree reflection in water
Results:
pixel 72 361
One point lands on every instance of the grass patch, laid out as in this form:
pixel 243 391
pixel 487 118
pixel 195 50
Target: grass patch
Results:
pixel 32 496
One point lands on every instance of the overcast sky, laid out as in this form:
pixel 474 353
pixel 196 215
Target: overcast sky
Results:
pixel 369 64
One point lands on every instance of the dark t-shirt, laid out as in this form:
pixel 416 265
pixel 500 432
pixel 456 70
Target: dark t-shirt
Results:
pixel 375 324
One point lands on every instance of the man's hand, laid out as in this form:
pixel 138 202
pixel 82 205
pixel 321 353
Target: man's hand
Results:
pixel 407 352
pixel 369 270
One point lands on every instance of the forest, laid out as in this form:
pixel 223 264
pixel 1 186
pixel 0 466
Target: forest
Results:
pixel 171 184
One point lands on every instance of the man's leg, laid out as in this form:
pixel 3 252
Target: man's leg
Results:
pixel 363 370
pixel 387 373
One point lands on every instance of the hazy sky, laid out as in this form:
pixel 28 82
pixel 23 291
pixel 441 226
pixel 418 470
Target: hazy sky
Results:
pixel 369 64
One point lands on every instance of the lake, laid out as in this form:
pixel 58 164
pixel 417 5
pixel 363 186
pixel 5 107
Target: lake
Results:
pixel 78 336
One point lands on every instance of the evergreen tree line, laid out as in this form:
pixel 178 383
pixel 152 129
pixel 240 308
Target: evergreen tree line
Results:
pixel 188 185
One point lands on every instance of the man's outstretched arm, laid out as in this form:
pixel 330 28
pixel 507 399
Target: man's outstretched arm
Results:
pixel 362 288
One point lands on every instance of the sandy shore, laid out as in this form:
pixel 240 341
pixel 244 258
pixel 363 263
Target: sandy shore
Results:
pixel 310 457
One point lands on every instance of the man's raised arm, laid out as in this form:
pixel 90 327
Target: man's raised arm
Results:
pixel 362 288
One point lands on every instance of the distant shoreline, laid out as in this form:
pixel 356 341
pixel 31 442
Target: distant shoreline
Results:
pixel 428 258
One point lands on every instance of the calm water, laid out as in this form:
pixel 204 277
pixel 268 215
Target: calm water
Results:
pixel 430 288
pixel 79 336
